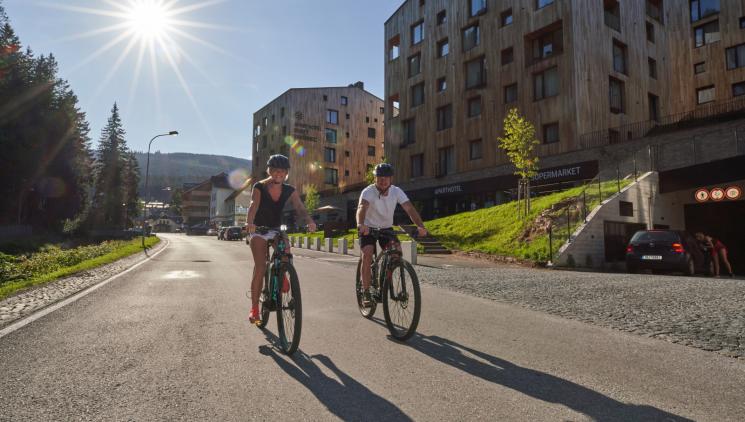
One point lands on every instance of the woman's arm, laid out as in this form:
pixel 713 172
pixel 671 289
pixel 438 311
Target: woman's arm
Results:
pixel 252 210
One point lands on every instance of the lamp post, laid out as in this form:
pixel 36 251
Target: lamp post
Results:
pixel 147 174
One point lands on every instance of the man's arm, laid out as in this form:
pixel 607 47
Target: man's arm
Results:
pixel 252 210
pixel 300 209
pixel 414 215
pixel 361 213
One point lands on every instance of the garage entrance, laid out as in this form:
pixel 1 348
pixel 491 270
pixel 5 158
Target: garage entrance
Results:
pixel 724 221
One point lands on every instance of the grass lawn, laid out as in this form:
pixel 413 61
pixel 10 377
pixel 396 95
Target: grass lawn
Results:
pixel 122 250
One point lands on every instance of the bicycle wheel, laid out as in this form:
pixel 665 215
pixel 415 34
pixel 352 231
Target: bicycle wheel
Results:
pixel 289 310
pixel 402 301
pixel 366 311
pixel 263 302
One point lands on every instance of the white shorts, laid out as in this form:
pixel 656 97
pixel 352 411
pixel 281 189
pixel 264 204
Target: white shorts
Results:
pixel 270 235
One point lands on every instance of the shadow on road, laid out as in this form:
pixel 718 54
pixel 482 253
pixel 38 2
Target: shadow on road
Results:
pixel 346 398
pixel 536 384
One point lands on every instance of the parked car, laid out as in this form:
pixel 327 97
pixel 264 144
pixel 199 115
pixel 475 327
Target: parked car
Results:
pixel 665 250
pixel 197 229
pixel 233 233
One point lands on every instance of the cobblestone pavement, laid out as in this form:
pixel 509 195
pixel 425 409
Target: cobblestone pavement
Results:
pixel 705 313
pixel 27 302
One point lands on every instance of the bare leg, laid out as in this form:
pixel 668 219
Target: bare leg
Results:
pixel 723 254
pixel 259 250
pixel 367 257
pixel 715 258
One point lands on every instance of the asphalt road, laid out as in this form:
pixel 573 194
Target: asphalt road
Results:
pixel 170 340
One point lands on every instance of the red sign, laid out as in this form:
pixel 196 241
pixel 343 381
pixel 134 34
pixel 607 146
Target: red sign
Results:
pixel 733 192
pixel 702 195
pixel 717 194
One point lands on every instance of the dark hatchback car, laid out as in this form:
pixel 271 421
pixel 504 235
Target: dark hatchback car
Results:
pixel 665 250
pixel 233 233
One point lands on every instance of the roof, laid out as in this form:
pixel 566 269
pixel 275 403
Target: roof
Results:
pixel 320 87
pixel 220 181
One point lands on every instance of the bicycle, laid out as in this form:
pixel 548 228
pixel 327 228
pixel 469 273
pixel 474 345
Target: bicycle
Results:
pixel 281 292
pixel 389 270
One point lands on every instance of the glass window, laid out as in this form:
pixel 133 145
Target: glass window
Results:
pixel 550 133
pixel 475 149
pixel 445 117
pixel 471 37
pixel 650 32
pixel 370 151
pixel 508 56
pixel 446 161
pixel 546 83
pixel 331 135
pixel 612 14
pixel 703 8
pixel 330 155
pixel 417 94
pixel 344 100
pixel 409 132
pixel 699 67
pixel 506 18
pixel 371 132
pixel 332 116
pixel 443 48
pixel 442 85
pixel 652 64
pixel 394 49
pixel 331 176
pixel 707 33
pixel 510 93
pixel 738 89
pixel 395 105
pixel 417 165
pixel 415 65
pixel 474 107
pixel 442 17
pixel 475 73
pixel 654 107
pixel 543 3
pixel 619 57
pixel 705 95
pixel 616 95
pixel 735 56
pixel 417 33
pixel 477 7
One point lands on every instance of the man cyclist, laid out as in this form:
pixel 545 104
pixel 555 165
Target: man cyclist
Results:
pixel 375 210
pixel 268 198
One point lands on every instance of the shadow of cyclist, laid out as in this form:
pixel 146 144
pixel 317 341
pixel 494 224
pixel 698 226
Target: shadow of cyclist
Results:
pixel 536 384
pixel 345 397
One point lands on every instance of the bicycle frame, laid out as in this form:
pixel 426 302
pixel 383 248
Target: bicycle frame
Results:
pixel 384 261
pixel 274 261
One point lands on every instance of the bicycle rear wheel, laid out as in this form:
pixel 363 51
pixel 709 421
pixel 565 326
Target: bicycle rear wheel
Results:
pixel 366 311
pixel 289 310
pixel 402 301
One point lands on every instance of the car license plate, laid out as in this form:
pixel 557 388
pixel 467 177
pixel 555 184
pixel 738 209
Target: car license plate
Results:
pixel 652 257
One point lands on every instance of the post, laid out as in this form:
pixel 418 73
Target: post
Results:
pixel 550 242
pixel 600 192
pixel 329 244
pixel 584 204
pixel 569 233
pixel 649 150
pixel 317 243
pixel 409 251
pixel 634 165
pixel 342 246
pixel 618 178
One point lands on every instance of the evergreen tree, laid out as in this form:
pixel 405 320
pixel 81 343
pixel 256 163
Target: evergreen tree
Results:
pixel 131 181
pixel 109 174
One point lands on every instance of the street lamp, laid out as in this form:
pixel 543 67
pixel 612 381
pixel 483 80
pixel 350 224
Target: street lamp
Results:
pixel 147 174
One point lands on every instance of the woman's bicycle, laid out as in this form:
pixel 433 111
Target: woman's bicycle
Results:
pixel 394 283
pixel 281 292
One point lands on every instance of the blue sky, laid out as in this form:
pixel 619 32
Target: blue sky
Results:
pixel 238 56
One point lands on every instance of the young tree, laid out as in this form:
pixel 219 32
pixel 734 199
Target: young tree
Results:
pixel 311 198
pixel 519 143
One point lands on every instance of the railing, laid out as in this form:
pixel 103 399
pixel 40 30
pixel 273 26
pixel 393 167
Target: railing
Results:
pixel 677 121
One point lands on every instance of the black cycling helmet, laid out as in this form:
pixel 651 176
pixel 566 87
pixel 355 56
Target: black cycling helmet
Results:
pixel 278 161
pixel 384 170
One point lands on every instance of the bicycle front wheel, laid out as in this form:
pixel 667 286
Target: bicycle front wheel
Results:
pixel 402 301
pixel 289 309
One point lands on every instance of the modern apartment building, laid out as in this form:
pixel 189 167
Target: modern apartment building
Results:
pixel 332 135
pixel 589 74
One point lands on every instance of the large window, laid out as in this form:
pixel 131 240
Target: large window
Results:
pixel 616 95
pixel 417 94
pixel 508 56
pixel 371 132
pixel 703 8
pixel 409 132
pixel 612 14
pixel 329 155
pixel 550 133
pixel 394 103
pixel 417 165
pixel 619 57
pixel 707 33
pixel 546 83
pixel 442 17
pixel 654 9
pixel 331 136
pixel 477 7
pixel 370 151
pixel 443 48
pixel 473 107
pixel 476 73
pixel 505 18
pixel 331 176
pixel 394 47
pixel 738 89
pixel 654 107
pixel 652 66
pixel 510 93
pixel 344 100
pixel 705 95
pixel 540 4
pixel 445 117
pixel 415 65
pixel 475 149
pixel 332 116
pixel 735 57
pixel 471 37
pixel 544 43
pixel 442 84
pixel 417 33
pixel 446 161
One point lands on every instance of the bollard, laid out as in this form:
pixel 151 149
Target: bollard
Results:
pixel 342 246
pixel 317 243
pixel 329 243
pixel 409 251
pixel 357 251
pixel 306 243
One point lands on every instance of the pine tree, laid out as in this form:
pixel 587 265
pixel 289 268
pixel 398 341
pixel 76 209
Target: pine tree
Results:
pixel 109 174
pixel 131 181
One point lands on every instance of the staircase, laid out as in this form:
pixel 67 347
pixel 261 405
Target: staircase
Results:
pixel 429 243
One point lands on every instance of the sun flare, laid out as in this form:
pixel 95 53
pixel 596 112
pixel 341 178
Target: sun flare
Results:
pixel 148 19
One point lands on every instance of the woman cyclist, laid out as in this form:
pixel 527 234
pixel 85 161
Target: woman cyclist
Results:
pixel 268 198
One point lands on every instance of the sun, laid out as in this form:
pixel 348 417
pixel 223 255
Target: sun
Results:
pixel 148 19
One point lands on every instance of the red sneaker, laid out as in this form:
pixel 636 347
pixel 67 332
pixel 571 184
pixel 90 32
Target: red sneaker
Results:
pixel 254 317
pixel 285 284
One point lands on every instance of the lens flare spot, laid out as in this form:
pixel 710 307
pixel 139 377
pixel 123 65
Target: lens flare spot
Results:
pixel 237 178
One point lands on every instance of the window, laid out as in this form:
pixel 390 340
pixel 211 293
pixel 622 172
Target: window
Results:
pixel 409 132
pixel 417 33
pixel 474 107
pixel 382 111
pixel 347 135
pixel 476 73
pixel 370 151
pixel 347 116
pixel 442 17
pixel 331 176
pixel 612 14
pixel 417 165
pixel 417 95
pixel 446 161
pixel 540 4
pixel 394 47
pixel 510 93
pixel 442 84
pixel 650 32
pixel 477 7
pixel 475 149
pixel 329 155
pixel 742 22
pixel 346 153
pixel 281 112
pixel 546 42
pixel 654 107
pixel 331 136
pixel 703 8
pixel 346 172
pixel 735 56
pixel 344 100
pixel 371 132
pixel 738 89
pixel 652 65
pixel 395 105
pixel 367 119
pixel 550 133
pixel 415 65
pixel 705 95
pixel 616 95
pixel 654 9
pixel 265 122
pixel 332 116
pixel 625 209
pixel 619 57
pixel 707 33
pixel 508 56
pixel 506 18
pixel 443 48
pixel 445 117
pixel 325 98
pixel 471 37
pixel 546 83
pixel 699 67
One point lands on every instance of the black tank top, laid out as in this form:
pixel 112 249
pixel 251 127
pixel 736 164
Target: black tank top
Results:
pixel 270 212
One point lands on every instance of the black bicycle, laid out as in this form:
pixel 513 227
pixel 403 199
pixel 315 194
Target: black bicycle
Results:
pixel 394 283
pixel 281 292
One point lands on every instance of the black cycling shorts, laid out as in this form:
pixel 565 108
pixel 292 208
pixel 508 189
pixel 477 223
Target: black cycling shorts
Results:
pixel 386 237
